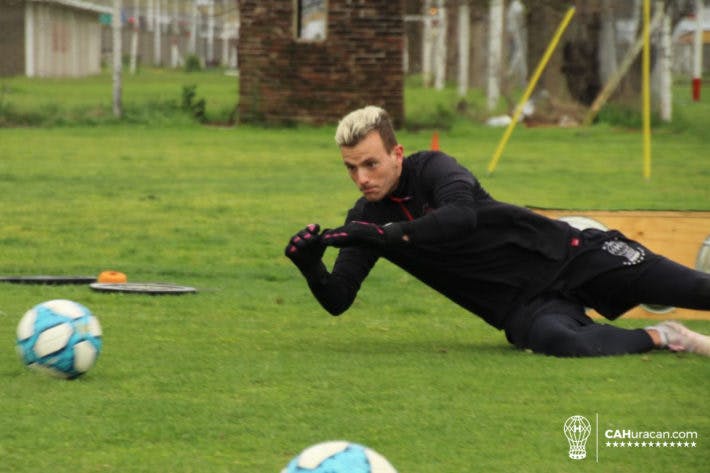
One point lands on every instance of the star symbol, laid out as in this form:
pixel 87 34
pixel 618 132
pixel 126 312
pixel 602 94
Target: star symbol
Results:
pixel 643 444
pixel 672 444
pixel 658 444
pixel 616 444
pixel 665 444
pixel 686 444
pixel 608 444
pixel 693 444
pixel 636 444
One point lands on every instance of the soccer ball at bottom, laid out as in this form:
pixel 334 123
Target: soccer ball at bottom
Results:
pixel 339 457
pixel 59 337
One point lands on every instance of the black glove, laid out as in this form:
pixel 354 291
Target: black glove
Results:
pixel 363 233
pixel 305 248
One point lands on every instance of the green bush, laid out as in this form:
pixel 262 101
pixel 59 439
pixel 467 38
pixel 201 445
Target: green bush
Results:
pixel 192 63
pixel 195 107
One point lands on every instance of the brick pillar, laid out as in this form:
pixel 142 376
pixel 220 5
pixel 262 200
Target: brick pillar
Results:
pixel 287 80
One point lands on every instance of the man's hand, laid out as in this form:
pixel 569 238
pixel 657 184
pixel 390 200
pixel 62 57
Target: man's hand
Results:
pixel 363 233
pixel 305 248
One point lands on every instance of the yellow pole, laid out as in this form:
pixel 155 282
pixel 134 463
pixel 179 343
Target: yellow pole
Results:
pixel 646 89
pixel 531 86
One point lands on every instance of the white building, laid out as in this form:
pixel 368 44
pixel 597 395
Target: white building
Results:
pixel 50 38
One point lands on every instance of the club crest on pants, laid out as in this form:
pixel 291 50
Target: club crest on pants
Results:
pixel 626 251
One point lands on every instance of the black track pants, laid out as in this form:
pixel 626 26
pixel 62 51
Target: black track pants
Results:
pixel 662 282
pixel 564 330
pixel 557 325
pixel 561 328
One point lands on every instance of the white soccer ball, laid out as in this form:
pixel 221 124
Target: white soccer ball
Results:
pixel 581 222
pixel 339 457
pixel 59 337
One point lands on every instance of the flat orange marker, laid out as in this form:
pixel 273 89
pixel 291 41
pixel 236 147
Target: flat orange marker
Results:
pixel 112 277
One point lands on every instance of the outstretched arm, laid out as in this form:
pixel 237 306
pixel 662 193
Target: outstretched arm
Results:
pixel 335 291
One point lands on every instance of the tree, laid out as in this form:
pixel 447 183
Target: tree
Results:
pixel 117 64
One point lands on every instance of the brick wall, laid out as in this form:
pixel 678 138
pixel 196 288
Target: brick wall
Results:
pixel 285 80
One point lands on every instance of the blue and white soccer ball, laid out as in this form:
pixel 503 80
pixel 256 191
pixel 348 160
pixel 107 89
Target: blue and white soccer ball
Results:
pixel 339 457
pixel 59 337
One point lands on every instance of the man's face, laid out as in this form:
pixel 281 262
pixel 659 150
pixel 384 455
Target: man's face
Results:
pixel 373 169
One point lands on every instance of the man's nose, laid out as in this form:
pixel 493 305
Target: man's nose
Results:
pixel 361 177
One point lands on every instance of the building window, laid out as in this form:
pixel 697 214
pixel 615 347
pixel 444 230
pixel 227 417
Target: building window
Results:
pixel 311 19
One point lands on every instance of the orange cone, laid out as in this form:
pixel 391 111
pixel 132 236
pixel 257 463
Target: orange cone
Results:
pixel 112 277
pixel 435 141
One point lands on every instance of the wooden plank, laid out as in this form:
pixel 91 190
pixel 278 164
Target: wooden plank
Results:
pixel 675 234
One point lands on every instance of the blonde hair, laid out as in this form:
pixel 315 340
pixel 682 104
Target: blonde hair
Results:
pixel 359 123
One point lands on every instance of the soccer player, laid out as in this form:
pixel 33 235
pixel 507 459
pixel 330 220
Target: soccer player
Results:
pixel 523 273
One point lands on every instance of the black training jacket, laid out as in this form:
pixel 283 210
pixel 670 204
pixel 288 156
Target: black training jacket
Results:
pixel 485 255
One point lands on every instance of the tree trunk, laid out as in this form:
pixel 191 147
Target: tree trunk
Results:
pixel 664 67
pixel 194 12
pixel 428 44
pixel 464 42
pixel 441 37
pixel 134 36
pixel 157 49
pixel 607 42
pixel 698 50
pixel 116 25
pixel 495 52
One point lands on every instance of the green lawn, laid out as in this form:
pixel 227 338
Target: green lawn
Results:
pixel 249 371
pixel 151 96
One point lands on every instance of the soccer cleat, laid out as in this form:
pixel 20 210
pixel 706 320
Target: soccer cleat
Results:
pixel 678 337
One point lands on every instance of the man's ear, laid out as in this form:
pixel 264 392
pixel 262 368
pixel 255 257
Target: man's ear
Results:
pixel 398 151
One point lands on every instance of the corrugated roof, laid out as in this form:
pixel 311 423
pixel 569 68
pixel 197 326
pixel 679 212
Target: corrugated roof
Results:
pixel 79 5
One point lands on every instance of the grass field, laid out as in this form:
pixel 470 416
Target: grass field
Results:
pixel 152 96
pixel 249 371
